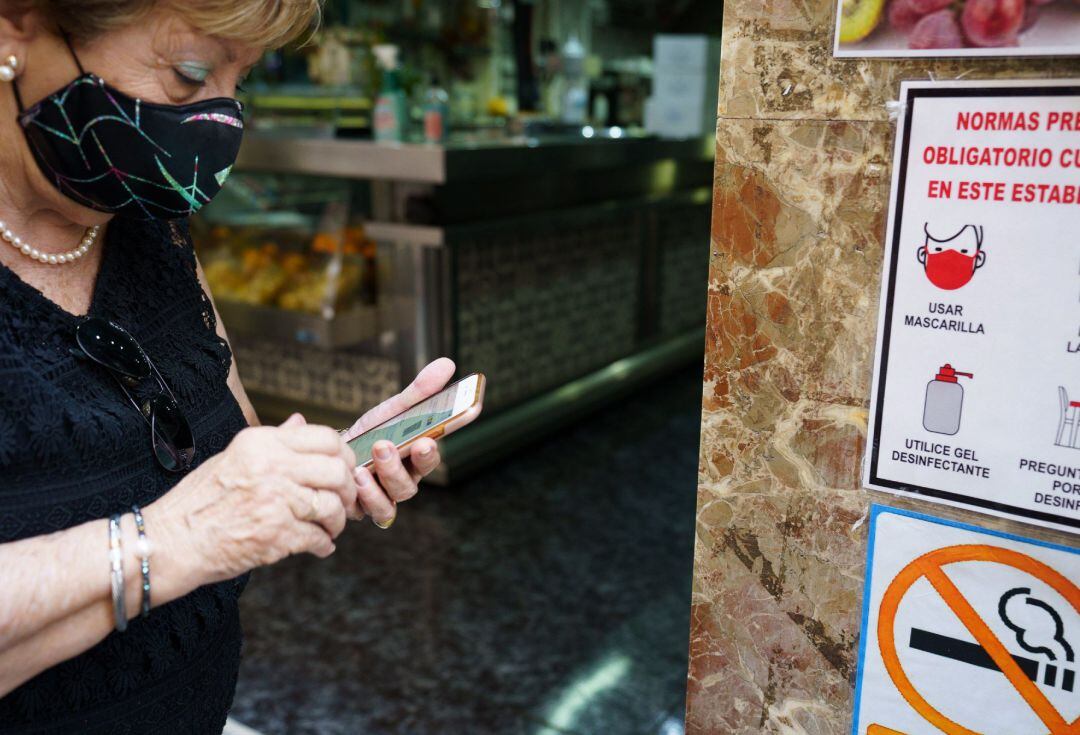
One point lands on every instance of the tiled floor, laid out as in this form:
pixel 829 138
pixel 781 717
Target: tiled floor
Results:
pixel 548 595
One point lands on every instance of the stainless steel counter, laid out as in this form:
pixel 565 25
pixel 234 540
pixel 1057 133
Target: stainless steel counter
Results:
pixel 461 161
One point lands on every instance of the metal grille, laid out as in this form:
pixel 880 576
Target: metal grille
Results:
pixel 683 239
pixel 337 379
pixel 539 304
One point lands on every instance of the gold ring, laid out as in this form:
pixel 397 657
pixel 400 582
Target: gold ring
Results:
pixel 313 511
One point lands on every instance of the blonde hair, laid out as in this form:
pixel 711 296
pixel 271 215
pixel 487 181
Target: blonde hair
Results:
pixel 260 23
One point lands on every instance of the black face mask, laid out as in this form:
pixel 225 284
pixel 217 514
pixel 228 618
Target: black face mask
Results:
pixel 118 154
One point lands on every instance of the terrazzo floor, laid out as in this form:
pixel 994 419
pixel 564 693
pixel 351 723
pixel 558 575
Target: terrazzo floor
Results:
pixel 548 595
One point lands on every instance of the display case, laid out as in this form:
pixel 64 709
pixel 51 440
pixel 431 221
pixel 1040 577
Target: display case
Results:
pixel 287 257
pixel 565 270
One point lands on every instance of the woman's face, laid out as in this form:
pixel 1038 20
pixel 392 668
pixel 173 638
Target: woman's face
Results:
pixel 160 59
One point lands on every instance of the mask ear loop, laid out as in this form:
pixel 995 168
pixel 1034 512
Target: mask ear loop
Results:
pixel 71 48
pixel 18 97
pixel 74 56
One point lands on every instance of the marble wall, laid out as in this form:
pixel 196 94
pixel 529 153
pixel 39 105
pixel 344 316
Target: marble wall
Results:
pixel 803 165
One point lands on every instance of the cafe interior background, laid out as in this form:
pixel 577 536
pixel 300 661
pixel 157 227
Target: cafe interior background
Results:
pixel 524 187
pixel 555 193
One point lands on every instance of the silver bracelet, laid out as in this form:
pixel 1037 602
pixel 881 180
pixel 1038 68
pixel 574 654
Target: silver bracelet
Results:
pixel 116 567
pixel 142 548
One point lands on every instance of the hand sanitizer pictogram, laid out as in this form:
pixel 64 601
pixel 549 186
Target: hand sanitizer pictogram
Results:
pixel 944 401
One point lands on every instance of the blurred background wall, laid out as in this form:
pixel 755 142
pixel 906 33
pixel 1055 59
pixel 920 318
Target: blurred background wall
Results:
pixel 803 166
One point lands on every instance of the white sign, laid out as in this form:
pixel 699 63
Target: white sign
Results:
pixel 976 398
pixel 966 631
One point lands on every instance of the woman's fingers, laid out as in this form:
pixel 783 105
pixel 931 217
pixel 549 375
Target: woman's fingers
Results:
pixel 347 455
pixel 321 471
pixel 375 502
pixel 355 512
pixel 313 539
pixel 424 458
pixel 429 381
pixel 320 458
pixel 314 439
pixel 321 507
pixel 394 478
pixel 295 420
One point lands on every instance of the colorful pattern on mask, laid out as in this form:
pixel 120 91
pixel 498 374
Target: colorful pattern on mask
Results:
pixel 216 117
pixel 118 154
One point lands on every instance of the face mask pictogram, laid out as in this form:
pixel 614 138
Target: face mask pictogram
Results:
pixel 951 263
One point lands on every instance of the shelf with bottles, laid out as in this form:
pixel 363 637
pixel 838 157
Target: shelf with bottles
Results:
pixel 308 111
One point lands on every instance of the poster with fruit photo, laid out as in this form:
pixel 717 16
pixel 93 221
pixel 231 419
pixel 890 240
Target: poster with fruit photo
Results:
pixel 895 28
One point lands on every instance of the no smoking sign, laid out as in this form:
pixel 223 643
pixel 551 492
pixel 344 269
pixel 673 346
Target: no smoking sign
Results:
pixel 967 632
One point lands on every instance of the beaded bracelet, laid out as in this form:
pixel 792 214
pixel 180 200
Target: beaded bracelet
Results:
pixel 142 549
pixel 116 568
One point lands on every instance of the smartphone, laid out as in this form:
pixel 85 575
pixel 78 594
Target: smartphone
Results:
pixel 456 405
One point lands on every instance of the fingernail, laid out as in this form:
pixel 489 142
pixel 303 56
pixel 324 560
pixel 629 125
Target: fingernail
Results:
pixel 385 524
pixel 382 451
pixel 426 451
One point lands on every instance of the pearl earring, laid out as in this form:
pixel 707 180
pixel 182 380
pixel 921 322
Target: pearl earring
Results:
pixel 7 69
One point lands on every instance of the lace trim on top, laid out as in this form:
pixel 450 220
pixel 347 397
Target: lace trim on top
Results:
pixel 73 449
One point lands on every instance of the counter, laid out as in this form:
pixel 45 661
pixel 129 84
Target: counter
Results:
pixel 568 270
pixel 462 160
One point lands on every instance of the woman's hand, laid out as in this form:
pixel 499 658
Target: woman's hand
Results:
pixel 273 492
pixel 394 480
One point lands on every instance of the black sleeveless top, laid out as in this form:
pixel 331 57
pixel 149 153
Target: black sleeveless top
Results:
pixel 73 449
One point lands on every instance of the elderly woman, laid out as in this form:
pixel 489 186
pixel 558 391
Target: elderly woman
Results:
pixel 133 499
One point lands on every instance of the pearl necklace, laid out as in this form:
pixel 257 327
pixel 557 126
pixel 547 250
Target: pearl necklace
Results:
pixel 51 258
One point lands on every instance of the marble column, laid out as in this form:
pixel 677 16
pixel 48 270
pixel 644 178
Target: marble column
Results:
pixel 803 165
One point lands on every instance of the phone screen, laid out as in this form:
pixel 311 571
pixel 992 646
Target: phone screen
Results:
pixel 451 401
